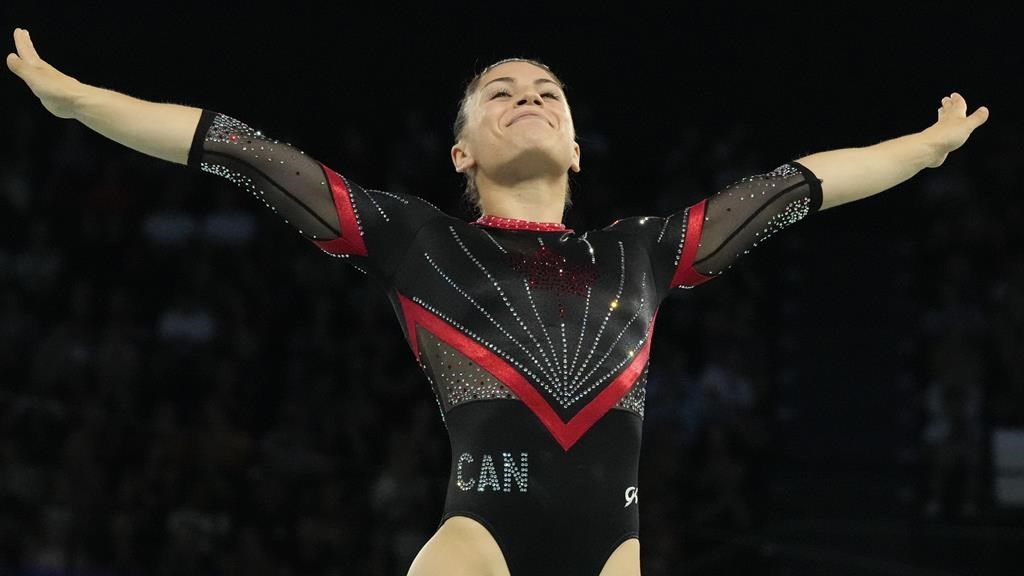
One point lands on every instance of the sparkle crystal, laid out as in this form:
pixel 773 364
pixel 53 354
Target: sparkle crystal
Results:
pixel 488 476
pixel 546 269
pixel 458 379
pixel 517 473
pixel 516 224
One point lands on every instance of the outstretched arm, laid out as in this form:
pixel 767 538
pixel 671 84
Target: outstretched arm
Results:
pixel 371 227
pixel 295 186
pixel 850 174
pixel 160 130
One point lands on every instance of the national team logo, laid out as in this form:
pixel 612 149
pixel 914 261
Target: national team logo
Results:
pixel 631 496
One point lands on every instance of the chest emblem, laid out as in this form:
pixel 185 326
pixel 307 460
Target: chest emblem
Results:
pixel 546 269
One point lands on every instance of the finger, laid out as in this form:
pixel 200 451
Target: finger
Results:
pixel 14 63
pixel 979 117
pixel 958 102
pixel 954 105
pixel 26 50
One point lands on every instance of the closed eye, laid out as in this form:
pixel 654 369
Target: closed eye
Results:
pixel 506 93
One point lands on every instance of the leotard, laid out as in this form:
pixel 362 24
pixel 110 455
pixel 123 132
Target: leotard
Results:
pixel 535 338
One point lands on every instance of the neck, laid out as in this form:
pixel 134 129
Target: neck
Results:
pixel 534 200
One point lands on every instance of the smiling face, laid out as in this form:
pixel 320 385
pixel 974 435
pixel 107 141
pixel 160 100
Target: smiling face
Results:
pixel 515 125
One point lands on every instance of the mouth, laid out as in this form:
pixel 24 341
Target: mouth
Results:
pixel 523 115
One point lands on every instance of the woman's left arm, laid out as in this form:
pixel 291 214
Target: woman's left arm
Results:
pixel 850 174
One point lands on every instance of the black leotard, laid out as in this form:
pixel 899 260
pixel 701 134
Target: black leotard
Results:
pixel 535 338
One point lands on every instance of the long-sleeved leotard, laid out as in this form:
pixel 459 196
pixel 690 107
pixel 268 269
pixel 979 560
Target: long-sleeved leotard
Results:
pixel 534 337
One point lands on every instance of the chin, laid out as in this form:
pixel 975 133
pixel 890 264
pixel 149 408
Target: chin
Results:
pixel 530 162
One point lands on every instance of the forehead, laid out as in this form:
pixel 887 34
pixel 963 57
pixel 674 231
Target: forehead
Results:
pixel 521 72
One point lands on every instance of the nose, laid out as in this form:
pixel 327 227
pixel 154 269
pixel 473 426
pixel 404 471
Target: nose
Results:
pixel 530 97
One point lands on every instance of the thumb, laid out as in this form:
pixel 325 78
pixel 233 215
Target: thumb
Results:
pixel 14 63
pixel 980 116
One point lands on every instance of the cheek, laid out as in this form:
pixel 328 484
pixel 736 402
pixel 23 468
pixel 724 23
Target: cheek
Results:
pixel 481 123
pixel 570 132
pixel 569 123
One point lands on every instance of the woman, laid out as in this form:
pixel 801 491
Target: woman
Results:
pixel 534 337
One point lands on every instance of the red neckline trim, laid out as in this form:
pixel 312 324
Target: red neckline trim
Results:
pixel 516 224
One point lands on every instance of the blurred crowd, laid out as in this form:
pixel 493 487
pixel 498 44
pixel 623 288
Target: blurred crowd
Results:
pixel 189 387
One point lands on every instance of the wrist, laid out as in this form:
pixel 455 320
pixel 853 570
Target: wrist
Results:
pixel 934 149
pixel 80 97
pixel 86 101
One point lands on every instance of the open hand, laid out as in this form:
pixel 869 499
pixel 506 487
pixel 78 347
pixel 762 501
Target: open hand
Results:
pixel 953 127
pixel 54 89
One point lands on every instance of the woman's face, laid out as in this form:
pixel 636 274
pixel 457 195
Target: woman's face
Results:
pixel 518 125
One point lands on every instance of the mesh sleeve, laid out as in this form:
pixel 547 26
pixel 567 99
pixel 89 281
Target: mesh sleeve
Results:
pixel 372 228
pixel 702 241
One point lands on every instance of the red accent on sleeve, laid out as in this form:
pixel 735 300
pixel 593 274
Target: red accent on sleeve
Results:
pixel 351 239
pixel 685 275
pixel 565 433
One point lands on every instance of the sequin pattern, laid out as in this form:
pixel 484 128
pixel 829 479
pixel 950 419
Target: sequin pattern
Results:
pixel 546 269
pixel 517 224
pixel 488 475
pixel 459 379
pixel 733 226
pixel 795 210
pixel 514 474
pixel 634 400
pixel 230 130
pixel 549 356
pixel 278 174
pixel 462 483
pixel 518 473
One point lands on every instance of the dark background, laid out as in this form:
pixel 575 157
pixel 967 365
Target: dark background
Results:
pixel 180 395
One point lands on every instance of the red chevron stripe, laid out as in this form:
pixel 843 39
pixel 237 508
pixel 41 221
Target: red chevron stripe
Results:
pixel 685 275
pixel 350 241
pixel 565 433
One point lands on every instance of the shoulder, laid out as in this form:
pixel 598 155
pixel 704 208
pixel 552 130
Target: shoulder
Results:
pixel 389 205
pixel 401 199
pixel 641 225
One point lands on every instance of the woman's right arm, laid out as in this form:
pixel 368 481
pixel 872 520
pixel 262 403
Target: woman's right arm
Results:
pixel 164 131
pixel 295 186
pixel 371 227
pixel 161 130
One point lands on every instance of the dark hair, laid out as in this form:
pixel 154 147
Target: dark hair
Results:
pixel 472 194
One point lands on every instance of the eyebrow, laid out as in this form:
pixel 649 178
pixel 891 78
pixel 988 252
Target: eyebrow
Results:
pixel 538 81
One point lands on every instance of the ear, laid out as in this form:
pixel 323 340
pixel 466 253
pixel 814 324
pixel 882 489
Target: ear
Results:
pixel 575 166
pixel 462 158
